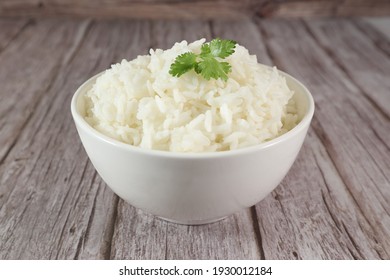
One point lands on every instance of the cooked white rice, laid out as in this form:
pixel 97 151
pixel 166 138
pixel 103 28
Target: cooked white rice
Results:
pixel 138 102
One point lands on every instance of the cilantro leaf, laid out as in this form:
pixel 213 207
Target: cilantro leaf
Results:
pixel 182 64
pixel 197 69
pixel 208 63
pixel 222 48
pixel 211 68
pixel 205 50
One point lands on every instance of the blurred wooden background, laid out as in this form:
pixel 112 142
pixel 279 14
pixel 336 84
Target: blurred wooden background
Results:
pixel 193 9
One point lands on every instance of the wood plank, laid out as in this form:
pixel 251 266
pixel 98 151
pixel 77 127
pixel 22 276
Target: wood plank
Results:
pixel 358 198
pixel 359 58
pixel 312 8
pixel 53 205
pixel 24 91
pixel 147 237
pixel 22 87
pixel 193 9
pixel 149 9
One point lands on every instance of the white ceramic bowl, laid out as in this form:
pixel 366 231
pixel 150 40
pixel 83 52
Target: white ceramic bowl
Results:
pixel 193 188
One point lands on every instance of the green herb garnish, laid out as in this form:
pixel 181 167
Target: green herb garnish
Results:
pixel 208 63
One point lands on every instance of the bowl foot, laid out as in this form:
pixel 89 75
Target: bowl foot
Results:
pixel 193 222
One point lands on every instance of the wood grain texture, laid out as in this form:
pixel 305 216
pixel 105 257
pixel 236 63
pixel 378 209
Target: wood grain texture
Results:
pixel 333 204
pixel 26 192
pixel 10 29
pixel 155 9
pixel 356 58
pixel 356 151
pixel 23 87
pixel 377 30
pixel 381 24
pixel 193 9
pixel 47 171
pixel 313 8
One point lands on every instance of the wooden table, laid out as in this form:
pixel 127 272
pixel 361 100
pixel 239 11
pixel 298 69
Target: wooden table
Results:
pixel 333 204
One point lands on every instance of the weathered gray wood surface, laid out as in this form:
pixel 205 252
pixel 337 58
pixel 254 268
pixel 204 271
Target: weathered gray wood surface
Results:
pixel 333 204
pixel 193 9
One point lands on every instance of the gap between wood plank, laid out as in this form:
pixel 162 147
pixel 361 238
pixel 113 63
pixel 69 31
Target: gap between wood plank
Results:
pixel 67 217
pixel 87 230
pixel 336 222
pixel 166 242
pixel 111 228
pixel 256 229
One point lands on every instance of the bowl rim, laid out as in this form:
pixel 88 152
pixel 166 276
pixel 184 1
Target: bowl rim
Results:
pixel 83 124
